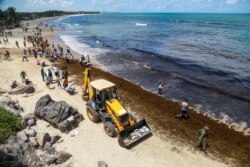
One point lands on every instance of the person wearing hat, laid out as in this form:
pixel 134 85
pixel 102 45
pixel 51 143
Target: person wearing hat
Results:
pixel 203 138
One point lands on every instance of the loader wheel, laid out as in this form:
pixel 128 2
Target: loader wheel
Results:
pixel 93 116
pixel 121 142
pixel 109 129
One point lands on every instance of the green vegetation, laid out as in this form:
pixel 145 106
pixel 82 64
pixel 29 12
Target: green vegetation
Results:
pixel 9 124
pixel 50 13
pixel 10 18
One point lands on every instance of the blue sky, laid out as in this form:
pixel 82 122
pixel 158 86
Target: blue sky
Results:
pixel 200 6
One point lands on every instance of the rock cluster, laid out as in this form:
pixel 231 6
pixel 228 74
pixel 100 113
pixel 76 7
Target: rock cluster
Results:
pixel 59 114
pixel 28 120
pixel 20 153
pixel 21 150
pixel 11 105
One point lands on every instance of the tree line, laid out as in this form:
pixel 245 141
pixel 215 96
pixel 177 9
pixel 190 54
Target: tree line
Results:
pixel 11 18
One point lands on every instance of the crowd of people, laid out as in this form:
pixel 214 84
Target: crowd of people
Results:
pixel 5 35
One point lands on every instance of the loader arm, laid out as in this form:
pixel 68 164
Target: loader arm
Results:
pixel 116 110
pixel 86 89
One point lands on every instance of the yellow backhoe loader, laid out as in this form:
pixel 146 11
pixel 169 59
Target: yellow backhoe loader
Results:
pixel 103 105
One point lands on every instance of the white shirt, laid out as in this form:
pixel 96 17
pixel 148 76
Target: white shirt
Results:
pixel 56 69
pixel 184 105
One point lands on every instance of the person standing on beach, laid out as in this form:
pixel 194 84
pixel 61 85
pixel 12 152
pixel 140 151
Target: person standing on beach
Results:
pixel 24 44
pixel 17 44
pixel 71 58
pixel 58 81
pixel 65 83
pixel 7 55
pixel 184 110
pixel 23 76
pixel 56 70
pixel 24 55
pixel 67 59
pixel 50 76
pixel 88 59
pixel 43 74
pixel 82 60
pixel 68 50
pixel 65 74
pixel 160 88
pixel 202 144
pixel 30 52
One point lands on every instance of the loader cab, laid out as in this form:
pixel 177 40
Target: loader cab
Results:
pixel 103 91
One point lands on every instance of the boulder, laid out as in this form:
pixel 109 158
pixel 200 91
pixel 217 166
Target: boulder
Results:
pixel 30 132
pixel 56 113
pixel 48 158
pixel 42 138
pixel 34 141
pixel 54 139
pixel 29 116
pixel 10 164
pixel 22 136
pixel 78 117
pixel 31 122
pixel 62 156
pixel 29 89
pixel 3 91
pixel 47 145
pixel 21 89
pixel 7 101
pixel 50 150
pixel 102 164
pixel 23 124
pixel 11 105
pixel 18 152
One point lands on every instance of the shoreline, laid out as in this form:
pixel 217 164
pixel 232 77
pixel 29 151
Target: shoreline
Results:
pixel 200 119
pixel 238 126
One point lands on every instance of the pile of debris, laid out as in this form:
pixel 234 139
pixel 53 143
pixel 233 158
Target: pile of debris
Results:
pixel 60 114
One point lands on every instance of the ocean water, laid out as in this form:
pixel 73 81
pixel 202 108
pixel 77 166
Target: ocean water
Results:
pixel 204 58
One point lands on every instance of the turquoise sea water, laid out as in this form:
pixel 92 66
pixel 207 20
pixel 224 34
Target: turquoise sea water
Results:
pixel 202 57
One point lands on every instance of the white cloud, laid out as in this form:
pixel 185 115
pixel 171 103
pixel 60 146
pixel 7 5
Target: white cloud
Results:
pixel 231 2
pixel 36 2
pixel 66 3
pixel 51 3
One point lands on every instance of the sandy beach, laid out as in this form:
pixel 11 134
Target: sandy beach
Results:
pixel 92 144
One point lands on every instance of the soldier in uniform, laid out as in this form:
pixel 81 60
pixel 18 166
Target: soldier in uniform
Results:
pixel 202 144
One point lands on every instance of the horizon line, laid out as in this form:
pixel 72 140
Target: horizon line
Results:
pixel 146 12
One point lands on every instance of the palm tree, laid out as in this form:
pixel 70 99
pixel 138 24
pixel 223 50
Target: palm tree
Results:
pixel 2 16
pixel 12 16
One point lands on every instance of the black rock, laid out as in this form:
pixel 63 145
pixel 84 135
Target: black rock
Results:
pixel 56 113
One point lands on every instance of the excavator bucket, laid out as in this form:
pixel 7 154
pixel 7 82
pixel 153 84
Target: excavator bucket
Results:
pixel 134 133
